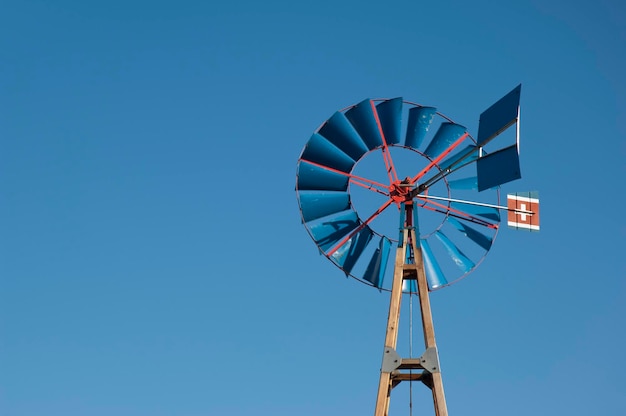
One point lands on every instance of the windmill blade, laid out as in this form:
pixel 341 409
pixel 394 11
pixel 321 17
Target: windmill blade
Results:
pixel 364 121
pixel 490 213
pixel 465 183
pixel 418 124
pixel 348 254
pixel 447 134
pixel 329 231
pixel 479 238
pixel 457 256
pixel 409 286
pixel 375 271
pixel 498 167
pixel 390 117
pixel 312 177
pixel 321 151
pixel 499 117
pixel 316 205
pixel 467 155
pixel 342 134
pixel 434 274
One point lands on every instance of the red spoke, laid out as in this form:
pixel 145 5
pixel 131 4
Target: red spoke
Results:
pixel 359 228
pixel 445 209
pixel 368 187
pixel 440 157
pixel 391 170
pixel 353 178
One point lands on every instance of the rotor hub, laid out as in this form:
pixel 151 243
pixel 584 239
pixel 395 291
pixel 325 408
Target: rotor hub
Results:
pixel 400 191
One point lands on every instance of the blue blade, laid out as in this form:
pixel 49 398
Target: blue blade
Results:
pixel 455 253
pixel 311 177
pixel 499 116
pixel 327 233
pixel 418 124
pixel 498 168
pixel 447 134
pixel 375 272
pixel 465 183
pixel 362 118
pixel 316 205
pixel 477 237
pixel 468 154
pixel 342 134
pixel 489 213
pixel 321 151
pixel 434 275
pixel 390 116
pixel 409 286
pixel 348 254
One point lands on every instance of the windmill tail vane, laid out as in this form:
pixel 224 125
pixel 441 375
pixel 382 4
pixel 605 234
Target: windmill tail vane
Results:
pixel 349 182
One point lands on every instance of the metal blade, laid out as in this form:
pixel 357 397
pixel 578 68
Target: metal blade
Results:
pixel 476 236
pixel 447 134
pixel 489 213
pixel 342 134
pixel 434 275
pixel 327 233
pixel 362 118
pixel 390 116
pixel 465 156
pixel 465 183
pixel 375 271
pixel 420 119
pixel 311 177
pixel 455 253
pixel 316 205
pixel 321 151
pixel 348 254
pixel 409 286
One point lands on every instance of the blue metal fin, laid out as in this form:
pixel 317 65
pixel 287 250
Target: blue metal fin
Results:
pixel 362 118
pixel 477 237
pixel 342 134
pixel 455 253
pixel 465 183
pixel 316 205
pixel 327 233
pixel 375 271
pixel 447 134
pixel 498 167
pixel 311 177
pixel 409 286
pixel 321 151
pixel 434 275
pixel 420 119
pixel 390 116
pixel 348 254
pixel 489 213
pixel 499 116
pixel 468 154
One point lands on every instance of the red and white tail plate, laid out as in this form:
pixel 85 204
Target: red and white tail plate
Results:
pixel 523 211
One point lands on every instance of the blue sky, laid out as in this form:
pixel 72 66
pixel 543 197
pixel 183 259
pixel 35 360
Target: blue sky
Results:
pixel 152 260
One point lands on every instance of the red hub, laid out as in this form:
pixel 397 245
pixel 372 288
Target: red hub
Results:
pixel 400 191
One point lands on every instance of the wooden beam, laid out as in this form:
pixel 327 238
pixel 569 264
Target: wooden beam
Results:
pixel 393 321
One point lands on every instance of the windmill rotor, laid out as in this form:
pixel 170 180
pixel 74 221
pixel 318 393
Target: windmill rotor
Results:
pixel 389 173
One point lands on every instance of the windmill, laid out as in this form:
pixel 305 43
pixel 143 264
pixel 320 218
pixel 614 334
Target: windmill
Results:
pixel 434 197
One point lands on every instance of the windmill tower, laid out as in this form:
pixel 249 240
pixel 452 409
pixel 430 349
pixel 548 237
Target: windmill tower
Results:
pixel 388 173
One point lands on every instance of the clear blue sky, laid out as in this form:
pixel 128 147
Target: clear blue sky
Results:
pixel 152 260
